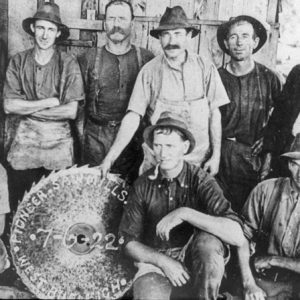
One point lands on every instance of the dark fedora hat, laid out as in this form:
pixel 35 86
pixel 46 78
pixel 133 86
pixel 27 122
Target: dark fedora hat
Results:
pixel 170 120
pixel 259 29
pixel 173 18
pixel 294 152
pixel 48 12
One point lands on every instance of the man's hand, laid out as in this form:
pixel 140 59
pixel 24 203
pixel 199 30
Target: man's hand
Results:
pixel 262 262
pixel 257 147
pixel 212 166
pixel 253 292
pixel 266 166
pixel 174 270
pixel 167 223
pixel 104 168
pixel 52 102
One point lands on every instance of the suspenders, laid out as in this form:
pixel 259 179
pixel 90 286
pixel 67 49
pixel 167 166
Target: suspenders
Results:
pixel 98 66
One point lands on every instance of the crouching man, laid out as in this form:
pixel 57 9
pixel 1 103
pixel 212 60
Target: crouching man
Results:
pixel 177 224
pixel 271 216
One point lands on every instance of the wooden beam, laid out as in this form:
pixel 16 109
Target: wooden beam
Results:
pixel 77 43
pixel 84 24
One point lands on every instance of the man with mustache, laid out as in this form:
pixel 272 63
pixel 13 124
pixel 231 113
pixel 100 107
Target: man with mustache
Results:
pixel 178 81
pixel 110 73
pixel 253 90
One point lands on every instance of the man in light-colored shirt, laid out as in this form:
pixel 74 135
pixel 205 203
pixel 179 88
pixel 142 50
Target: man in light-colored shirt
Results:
pixel 271 221
pixel 181 82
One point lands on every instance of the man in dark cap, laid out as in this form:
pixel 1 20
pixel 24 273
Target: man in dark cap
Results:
pixel 253 90
pixel 110 73
pixel 271 221
pixel 177 224
pixel 178 81
pixel 43 87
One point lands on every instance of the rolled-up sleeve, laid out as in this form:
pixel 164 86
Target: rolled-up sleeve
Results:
pixel 13 84
pixel 213 199
pixel 215 90
pixel 251 213
pixel 132 222
pixel 71 82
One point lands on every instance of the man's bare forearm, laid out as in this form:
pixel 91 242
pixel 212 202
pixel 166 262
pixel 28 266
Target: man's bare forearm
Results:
pixel 24 107
pixel 62 112
pixel 142 253
pixel 292 264
pixel 225 229
pixel 129 126
pixel 215 133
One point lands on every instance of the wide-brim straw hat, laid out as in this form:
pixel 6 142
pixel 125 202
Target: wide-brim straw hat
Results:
pixel 173 18
pixel 294 152
pixel 170 120
pixel 48 12
pixel 259 28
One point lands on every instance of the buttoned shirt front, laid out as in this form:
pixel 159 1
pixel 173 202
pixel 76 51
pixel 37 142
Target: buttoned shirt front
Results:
pixel 109 89
pixel 252 97
pixel 150 200
pixel 283 236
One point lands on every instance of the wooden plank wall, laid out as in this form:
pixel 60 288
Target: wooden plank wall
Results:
pixel 83 15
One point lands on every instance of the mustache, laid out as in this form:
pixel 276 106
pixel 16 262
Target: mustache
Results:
pixel 117 29
pixel 170 47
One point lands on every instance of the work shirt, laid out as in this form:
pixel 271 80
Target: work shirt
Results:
pixel 42 142
pixel 192 91
pixel 150 200
pixel 252 97
pixel 279 233
pixel 108 92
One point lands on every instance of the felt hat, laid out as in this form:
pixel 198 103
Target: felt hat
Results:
pixel 294 152
pixel 173 18
pixel 259 28
pixel 172 120
pixel 48 12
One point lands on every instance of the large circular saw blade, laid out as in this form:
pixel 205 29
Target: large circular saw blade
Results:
pixel 64 239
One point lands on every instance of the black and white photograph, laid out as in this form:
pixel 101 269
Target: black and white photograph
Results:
pixel 150 149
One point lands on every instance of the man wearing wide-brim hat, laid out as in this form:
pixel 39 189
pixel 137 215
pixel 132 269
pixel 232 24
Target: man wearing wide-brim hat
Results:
pixel 253 90
pixel 271 219
pixel 178 81
pixel 43 88
pixel 177 224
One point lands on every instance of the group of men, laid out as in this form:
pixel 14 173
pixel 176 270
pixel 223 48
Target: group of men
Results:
pixel 208 141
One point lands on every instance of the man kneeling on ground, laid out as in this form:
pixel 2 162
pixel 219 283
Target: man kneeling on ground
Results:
pixel 177 224
pixel 271 216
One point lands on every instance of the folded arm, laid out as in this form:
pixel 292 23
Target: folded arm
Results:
pixel 61 112
pixel 25 107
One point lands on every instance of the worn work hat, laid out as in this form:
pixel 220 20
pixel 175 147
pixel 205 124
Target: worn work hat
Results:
pixel 173 18
pixel 170 120
pixel 48 12
pixel 294 152
pixel 259 29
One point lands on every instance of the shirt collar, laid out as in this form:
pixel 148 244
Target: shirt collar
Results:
pixel 170 65
pixel 180 178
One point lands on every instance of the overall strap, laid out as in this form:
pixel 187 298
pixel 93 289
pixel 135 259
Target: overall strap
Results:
pixel 139 56
pixel 97 69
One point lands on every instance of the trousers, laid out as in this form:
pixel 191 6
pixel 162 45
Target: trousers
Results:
pixel 205 260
